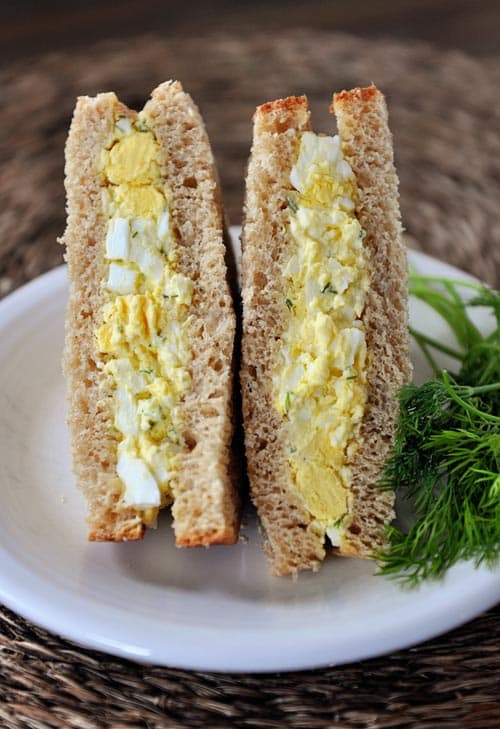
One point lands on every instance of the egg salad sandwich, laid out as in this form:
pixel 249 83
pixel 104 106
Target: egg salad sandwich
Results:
pixel 150 321
pixel 325 340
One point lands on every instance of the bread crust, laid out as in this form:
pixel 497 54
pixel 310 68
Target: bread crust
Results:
pixel 290 540
pixel 281 114
pixel 119 533
pixel 348 98
pixel 223 535
pixel 206 508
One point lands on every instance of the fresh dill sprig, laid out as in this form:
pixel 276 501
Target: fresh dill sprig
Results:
pixel 446 455
pixel 338 522
pixel 328 289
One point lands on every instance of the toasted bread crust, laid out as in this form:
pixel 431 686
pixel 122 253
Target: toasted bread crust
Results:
pixel 290 540
pixel 347 99
pixel 282 114
pixel 206 498
pixel 208 538
pixel 125 533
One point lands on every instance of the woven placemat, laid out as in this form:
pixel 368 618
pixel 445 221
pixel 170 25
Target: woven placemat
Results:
pixel 445 115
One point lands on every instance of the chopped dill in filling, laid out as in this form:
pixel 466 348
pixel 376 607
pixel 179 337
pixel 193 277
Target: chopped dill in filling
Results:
pixel 320 377
pixel 145 319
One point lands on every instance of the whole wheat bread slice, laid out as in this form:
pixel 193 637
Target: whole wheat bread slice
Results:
pixel 291 541
pixel 367 146
pixel 206 500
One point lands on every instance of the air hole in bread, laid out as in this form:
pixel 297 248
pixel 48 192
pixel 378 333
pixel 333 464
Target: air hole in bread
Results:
pixel 208 412
pixel 189 441
pixel 260 279
pixel 215 364
pixel 190 182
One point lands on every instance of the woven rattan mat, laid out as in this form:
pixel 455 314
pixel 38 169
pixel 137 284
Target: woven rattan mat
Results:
pixel 445 115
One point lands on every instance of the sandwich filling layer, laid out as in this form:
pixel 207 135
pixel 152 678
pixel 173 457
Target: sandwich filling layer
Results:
pixel 320 379
pixel 143 335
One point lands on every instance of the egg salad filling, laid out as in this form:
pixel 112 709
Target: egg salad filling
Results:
pixel 144 331
pixel 320 383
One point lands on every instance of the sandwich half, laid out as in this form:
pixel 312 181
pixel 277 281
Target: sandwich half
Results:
pixel 150 321
pixel 325 338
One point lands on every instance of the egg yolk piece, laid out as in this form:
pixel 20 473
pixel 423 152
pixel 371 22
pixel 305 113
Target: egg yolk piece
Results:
pixel 133 159
pixel 143 335
pixel 320 383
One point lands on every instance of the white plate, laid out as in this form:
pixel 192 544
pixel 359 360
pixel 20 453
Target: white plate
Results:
pixel 215 609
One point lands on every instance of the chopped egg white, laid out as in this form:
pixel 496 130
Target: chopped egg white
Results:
pixel 117 239
pixel 125 415
pixel 334 534
pixel 123 125
pixel 148 260
pixel 163 225
pixel 121 279
pixel 141 489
